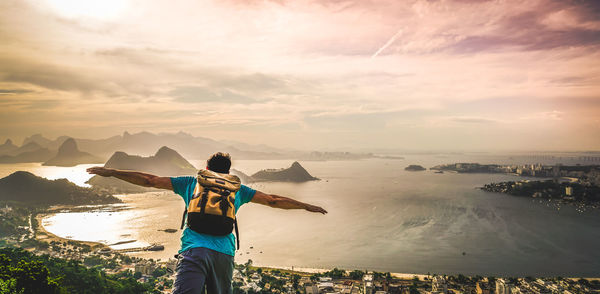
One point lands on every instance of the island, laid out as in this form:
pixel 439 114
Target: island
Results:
pixel 294 173
pixel 166 162
pixel 566 192
pixel 25 187
pixel 69 155
pixel 414 167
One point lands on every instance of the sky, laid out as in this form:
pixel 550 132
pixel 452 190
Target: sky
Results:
pixel 322 74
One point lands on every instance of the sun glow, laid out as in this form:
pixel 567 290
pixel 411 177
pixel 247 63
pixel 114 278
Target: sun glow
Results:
pixel 100 10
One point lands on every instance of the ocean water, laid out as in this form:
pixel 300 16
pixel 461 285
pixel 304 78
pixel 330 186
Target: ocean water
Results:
pixel 380 218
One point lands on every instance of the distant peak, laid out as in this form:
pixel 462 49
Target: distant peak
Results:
pixel 8 142
pixel 297 165
pixel 68 146
pixel 164 151
pixel 126 134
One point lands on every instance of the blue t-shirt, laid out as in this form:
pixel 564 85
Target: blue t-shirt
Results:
pixel 184 186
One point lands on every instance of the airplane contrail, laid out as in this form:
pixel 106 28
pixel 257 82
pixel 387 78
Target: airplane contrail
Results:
pixel 388 43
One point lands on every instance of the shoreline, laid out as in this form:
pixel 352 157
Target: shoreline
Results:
pixel 41 234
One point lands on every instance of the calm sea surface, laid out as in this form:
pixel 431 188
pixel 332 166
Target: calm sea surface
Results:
pixel 380 218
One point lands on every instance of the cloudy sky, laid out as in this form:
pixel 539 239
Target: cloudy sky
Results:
pixel 322 74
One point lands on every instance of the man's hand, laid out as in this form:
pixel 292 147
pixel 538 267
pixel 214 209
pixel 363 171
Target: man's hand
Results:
pixel 101 171
pixel 136 178
pixel 313 208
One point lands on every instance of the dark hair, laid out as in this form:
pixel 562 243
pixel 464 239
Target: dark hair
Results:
pixel 219 162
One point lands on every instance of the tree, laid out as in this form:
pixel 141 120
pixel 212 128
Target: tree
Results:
pixel 336 273
pixel 356 275
pixel 159 271
pixel 137 275
pixel 33 277
pixel 295 281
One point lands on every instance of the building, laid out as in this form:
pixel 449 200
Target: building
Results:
pixel 311 288
pixel 569 191
pixel 368 286
pixel 439 285
pixel 483 288
pixel 145 268
pixel 503 287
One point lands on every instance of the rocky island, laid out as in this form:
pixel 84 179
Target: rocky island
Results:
pixel 26 187
pixel 294 173
pixel 414 167
pixel 166 162
pixel 69 155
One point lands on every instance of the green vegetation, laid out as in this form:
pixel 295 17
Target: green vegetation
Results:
pixel 24 272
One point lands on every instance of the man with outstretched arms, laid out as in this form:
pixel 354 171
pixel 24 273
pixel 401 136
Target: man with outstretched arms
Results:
pixel 205 260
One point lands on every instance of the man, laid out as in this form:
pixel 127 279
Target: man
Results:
pixel 205 260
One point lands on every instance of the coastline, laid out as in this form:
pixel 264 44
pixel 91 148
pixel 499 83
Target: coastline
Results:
pixel 41 234
pixel 307 270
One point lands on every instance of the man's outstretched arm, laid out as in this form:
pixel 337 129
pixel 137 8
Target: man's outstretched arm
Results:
pixel 277 201
pixel 136 178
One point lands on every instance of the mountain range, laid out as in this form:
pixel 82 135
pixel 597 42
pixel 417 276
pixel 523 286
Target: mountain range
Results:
pixel 40 148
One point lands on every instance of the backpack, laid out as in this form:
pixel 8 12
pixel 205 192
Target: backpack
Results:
pixel 211 210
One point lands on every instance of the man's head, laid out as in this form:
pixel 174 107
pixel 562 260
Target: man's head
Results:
pixel 219 162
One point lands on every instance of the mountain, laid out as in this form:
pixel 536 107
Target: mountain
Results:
pixel 295 173
pixel 38 139
pixel 29 147
pixel 245 179
pixel 8 147
pixel 30 152
pixel 166 162
pixel 24 186
pixel 69 155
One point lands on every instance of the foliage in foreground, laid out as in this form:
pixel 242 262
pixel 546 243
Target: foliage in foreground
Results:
pixel 26 273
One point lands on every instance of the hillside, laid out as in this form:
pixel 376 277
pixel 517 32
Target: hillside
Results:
pixel 8 147
pixel 245 179
pixel 26 187
pixel 30 152
pixel 69 155
pixel 166 162
pixel 295 173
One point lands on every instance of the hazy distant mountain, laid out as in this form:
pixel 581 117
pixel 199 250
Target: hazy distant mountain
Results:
pixel 38 139
pixel 31 152
pixel 166 162
pixel 8 147
pixel 145 143
pixel 24 186
pixel 29 147
pixel 69 155
pixel 246 179
pixel 295 173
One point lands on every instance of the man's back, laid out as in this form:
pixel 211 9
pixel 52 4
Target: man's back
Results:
pixel 184 187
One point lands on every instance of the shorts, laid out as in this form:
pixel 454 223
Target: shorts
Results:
pixel 202 269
